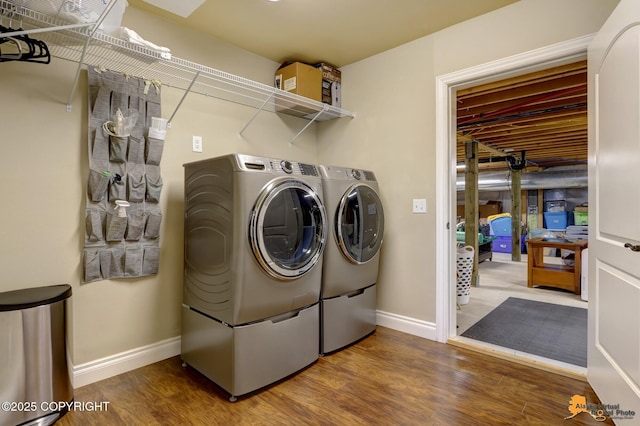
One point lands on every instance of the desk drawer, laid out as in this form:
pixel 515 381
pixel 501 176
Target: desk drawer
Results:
pixel 556 276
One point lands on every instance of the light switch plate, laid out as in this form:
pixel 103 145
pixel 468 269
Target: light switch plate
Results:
pixel 419 205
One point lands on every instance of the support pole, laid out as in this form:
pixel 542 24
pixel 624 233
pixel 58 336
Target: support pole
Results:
pixel 516 214
pixel 471 203
pixel 540 208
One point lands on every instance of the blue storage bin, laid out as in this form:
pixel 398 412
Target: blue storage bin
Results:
pixel 555 220
pixel 501 245
pixel 504 244
pixel 501 227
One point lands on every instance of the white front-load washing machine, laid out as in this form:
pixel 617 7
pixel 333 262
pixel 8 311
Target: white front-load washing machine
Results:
pixel 352 256
pixel 255 233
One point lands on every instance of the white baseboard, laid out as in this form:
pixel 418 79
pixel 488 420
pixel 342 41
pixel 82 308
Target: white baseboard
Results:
pixel 407 325
pixel 110 366
pixel 113 365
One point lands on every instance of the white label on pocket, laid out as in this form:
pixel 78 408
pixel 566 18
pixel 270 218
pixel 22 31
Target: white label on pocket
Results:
pixel 290 84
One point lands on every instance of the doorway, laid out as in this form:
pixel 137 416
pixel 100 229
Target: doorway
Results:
pixel 447 88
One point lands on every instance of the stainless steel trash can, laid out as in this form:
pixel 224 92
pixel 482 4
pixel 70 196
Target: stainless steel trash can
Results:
pixel 35 387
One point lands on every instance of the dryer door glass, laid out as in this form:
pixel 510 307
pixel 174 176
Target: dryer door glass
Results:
pixel 288 229
pixel 359 223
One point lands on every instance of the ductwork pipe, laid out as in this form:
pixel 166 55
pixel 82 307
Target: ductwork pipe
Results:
pixel 549 179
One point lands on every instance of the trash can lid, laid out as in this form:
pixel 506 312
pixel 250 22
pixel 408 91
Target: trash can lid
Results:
pixel 31 297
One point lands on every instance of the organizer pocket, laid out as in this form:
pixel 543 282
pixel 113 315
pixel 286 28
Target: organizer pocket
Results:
pixel 152 230
pixel 98 183
pixel 154 188
pixel 154 151
pixel 102 103
pixel 95 230
pixel 135 226
pixel 111 263
pixel 136 184
pixel 151 260
pixel 118 149
pixel 91 265
pixel 133 261
pixel 115 227
pixel 118 189
pixel 136 150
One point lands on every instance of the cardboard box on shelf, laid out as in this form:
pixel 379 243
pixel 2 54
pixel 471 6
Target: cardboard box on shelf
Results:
pixel 491 208
pixel 300 79
pixel 331 84
pixel 484 210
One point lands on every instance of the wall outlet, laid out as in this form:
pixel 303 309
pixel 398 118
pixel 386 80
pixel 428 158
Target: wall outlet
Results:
pixel 197 144
pixel 419 205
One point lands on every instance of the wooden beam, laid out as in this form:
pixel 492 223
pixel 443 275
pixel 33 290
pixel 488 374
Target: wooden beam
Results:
pixel 463 138
pixel 491 150
pixel 550 73
pixel 516 214
pixel 540 208
pixel 471 204
pixel 481 146
pixel 524 208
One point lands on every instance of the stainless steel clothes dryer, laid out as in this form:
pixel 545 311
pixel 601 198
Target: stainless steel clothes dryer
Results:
pixel 351 258
pixel 255 232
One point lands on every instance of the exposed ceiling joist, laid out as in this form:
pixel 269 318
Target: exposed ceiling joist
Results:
pixel 543 113
pixel 491 150
pixel 481 146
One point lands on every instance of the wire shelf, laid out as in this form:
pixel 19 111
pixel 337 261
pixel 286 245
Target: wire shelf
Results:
pixel 82 43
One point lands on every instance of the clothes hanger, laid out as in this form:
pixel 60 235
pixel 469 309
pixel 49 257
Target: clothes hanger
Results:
pixel 12 55
pixel 29 49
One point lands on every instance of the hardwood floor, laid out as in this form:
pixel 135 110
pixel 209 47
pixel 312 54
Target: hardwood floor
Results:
pixel 387 378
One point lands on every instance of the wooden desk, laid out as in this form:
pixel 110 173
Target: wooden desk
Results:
pixel 549 275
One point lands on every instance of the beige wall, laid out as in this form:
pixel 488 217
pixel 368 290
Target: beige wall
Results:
pixel 44 169
pixel 43 165
pixel 393 94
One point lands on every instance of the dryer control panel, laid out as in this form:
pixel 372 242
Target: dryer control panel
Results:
pixel 344 173
pixel 272 165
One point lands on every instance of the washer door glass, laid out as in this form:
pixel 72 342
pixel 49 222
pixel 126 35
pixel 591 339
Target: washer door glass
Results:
pixel 359 223
pixel 288 229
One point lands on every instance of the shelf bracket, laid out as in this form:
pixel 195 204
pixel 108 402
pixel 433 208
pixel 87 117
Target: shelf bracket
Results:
pixel 257 112
pixel 186 92
pixel 325 107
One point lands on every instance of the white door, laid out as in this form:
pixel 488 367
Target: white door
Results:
pixel 614 212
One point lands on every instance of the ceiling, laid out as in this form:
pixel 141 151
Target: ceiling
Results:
pixel 338 32
pixel 543 113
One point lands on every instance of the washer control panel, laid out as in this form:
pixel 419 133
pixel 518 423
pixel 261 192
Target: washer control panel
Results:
pixel 271 165
pixel 294 168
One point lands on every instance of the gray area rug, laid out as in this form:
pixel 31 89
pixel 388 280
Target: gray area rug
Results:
pixel 544 329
